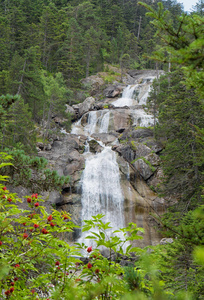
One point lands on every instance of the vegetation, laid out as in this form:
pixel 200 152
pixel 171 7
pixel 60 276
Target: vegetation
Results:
pixel 46 48
pixel 36 261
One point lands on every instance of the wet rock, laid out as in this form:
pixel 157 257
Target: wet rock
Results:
pixel 95 147
pixel 105 137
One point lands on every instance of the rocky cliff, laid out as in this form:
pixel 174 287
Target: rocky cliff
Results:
pixel 102 121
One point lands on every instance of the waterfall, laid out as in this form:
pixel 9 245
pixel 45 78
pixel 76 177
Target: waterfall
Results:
pixel 100 180
pixel 97 122
pixel 141 118
pixel 127 97
pixel 135 94
pixel 101 190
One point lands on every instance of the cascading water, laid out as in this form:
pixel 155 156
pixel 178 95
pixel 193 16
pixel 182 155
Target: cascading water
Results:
pixel 137 95
pixel 101 190
pixel 100 181
pixel 127 98
pixel 97 122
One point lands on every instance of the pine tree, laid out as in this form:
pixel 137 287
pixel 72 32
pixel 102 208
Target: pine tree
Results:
pixel 18 129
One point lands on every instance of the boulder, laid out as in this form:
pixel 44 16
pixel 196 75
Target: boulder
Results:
pixel 112 91
pixel 95 147
pixel 84 107
pixel 125 151
pixel 153 159
pixel 154 145
pixel 132 134
pixel 70 110
pixel 145 170
pixel 140 149
pixel 105 137
pixel 165 241
pixel 93 82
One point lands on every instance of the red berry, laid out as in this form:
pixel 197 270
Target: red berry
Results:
pixel 4 188
pixel 32 291
pixel 36 204
pixel 12 283
pixel 29 200
pixel 17 266
pixel 65 217
pixel 24 223
pixel 4 197
pixel 57 263
pixel 9 199
pixel 52 224
pixel 15 278
pixel 11 289
pixel 1 243
pixel 36 225
pixel 25 235
pixel 89 265
pixel 31 215
pixel 7 293
pixel 97 271
pixel 44 231
pixel 89 249
pixel 49 218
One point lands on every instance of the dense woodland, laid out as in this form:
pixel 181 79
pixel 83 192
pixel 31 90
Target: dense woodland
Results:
pixel 46 48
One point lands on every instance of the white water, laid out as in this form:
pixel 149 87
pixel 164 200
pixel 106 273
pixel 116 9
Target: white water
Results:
pixel 135 94
pixel 100 181
pixel 97 123
pixel 127 98
pixel 141 118
pixel 101 190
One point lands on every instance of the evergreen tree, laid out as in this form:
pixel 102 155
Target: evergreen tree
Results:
pixel 179 269
pixel 18 129
pixel 56 95
pixel 179 111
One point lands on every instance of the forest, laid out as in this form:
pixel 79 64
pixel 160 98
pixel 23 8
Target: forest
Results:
pixel 47 47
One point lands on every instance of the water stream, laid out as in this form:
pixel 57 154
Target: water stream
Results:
pixel 100 181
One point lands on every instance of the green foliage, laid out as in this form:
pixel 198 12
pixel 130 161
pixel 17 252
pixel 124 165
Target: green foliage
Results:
pixel 33 257
pixel 36 261
pixel 183 43
pixel 32 172
pixel 179 113
pixel 182 259
pixel 18 129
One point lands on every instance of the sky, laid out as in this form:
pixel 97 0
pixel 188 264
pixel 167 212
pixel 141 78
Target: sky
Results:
pixel 188 4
